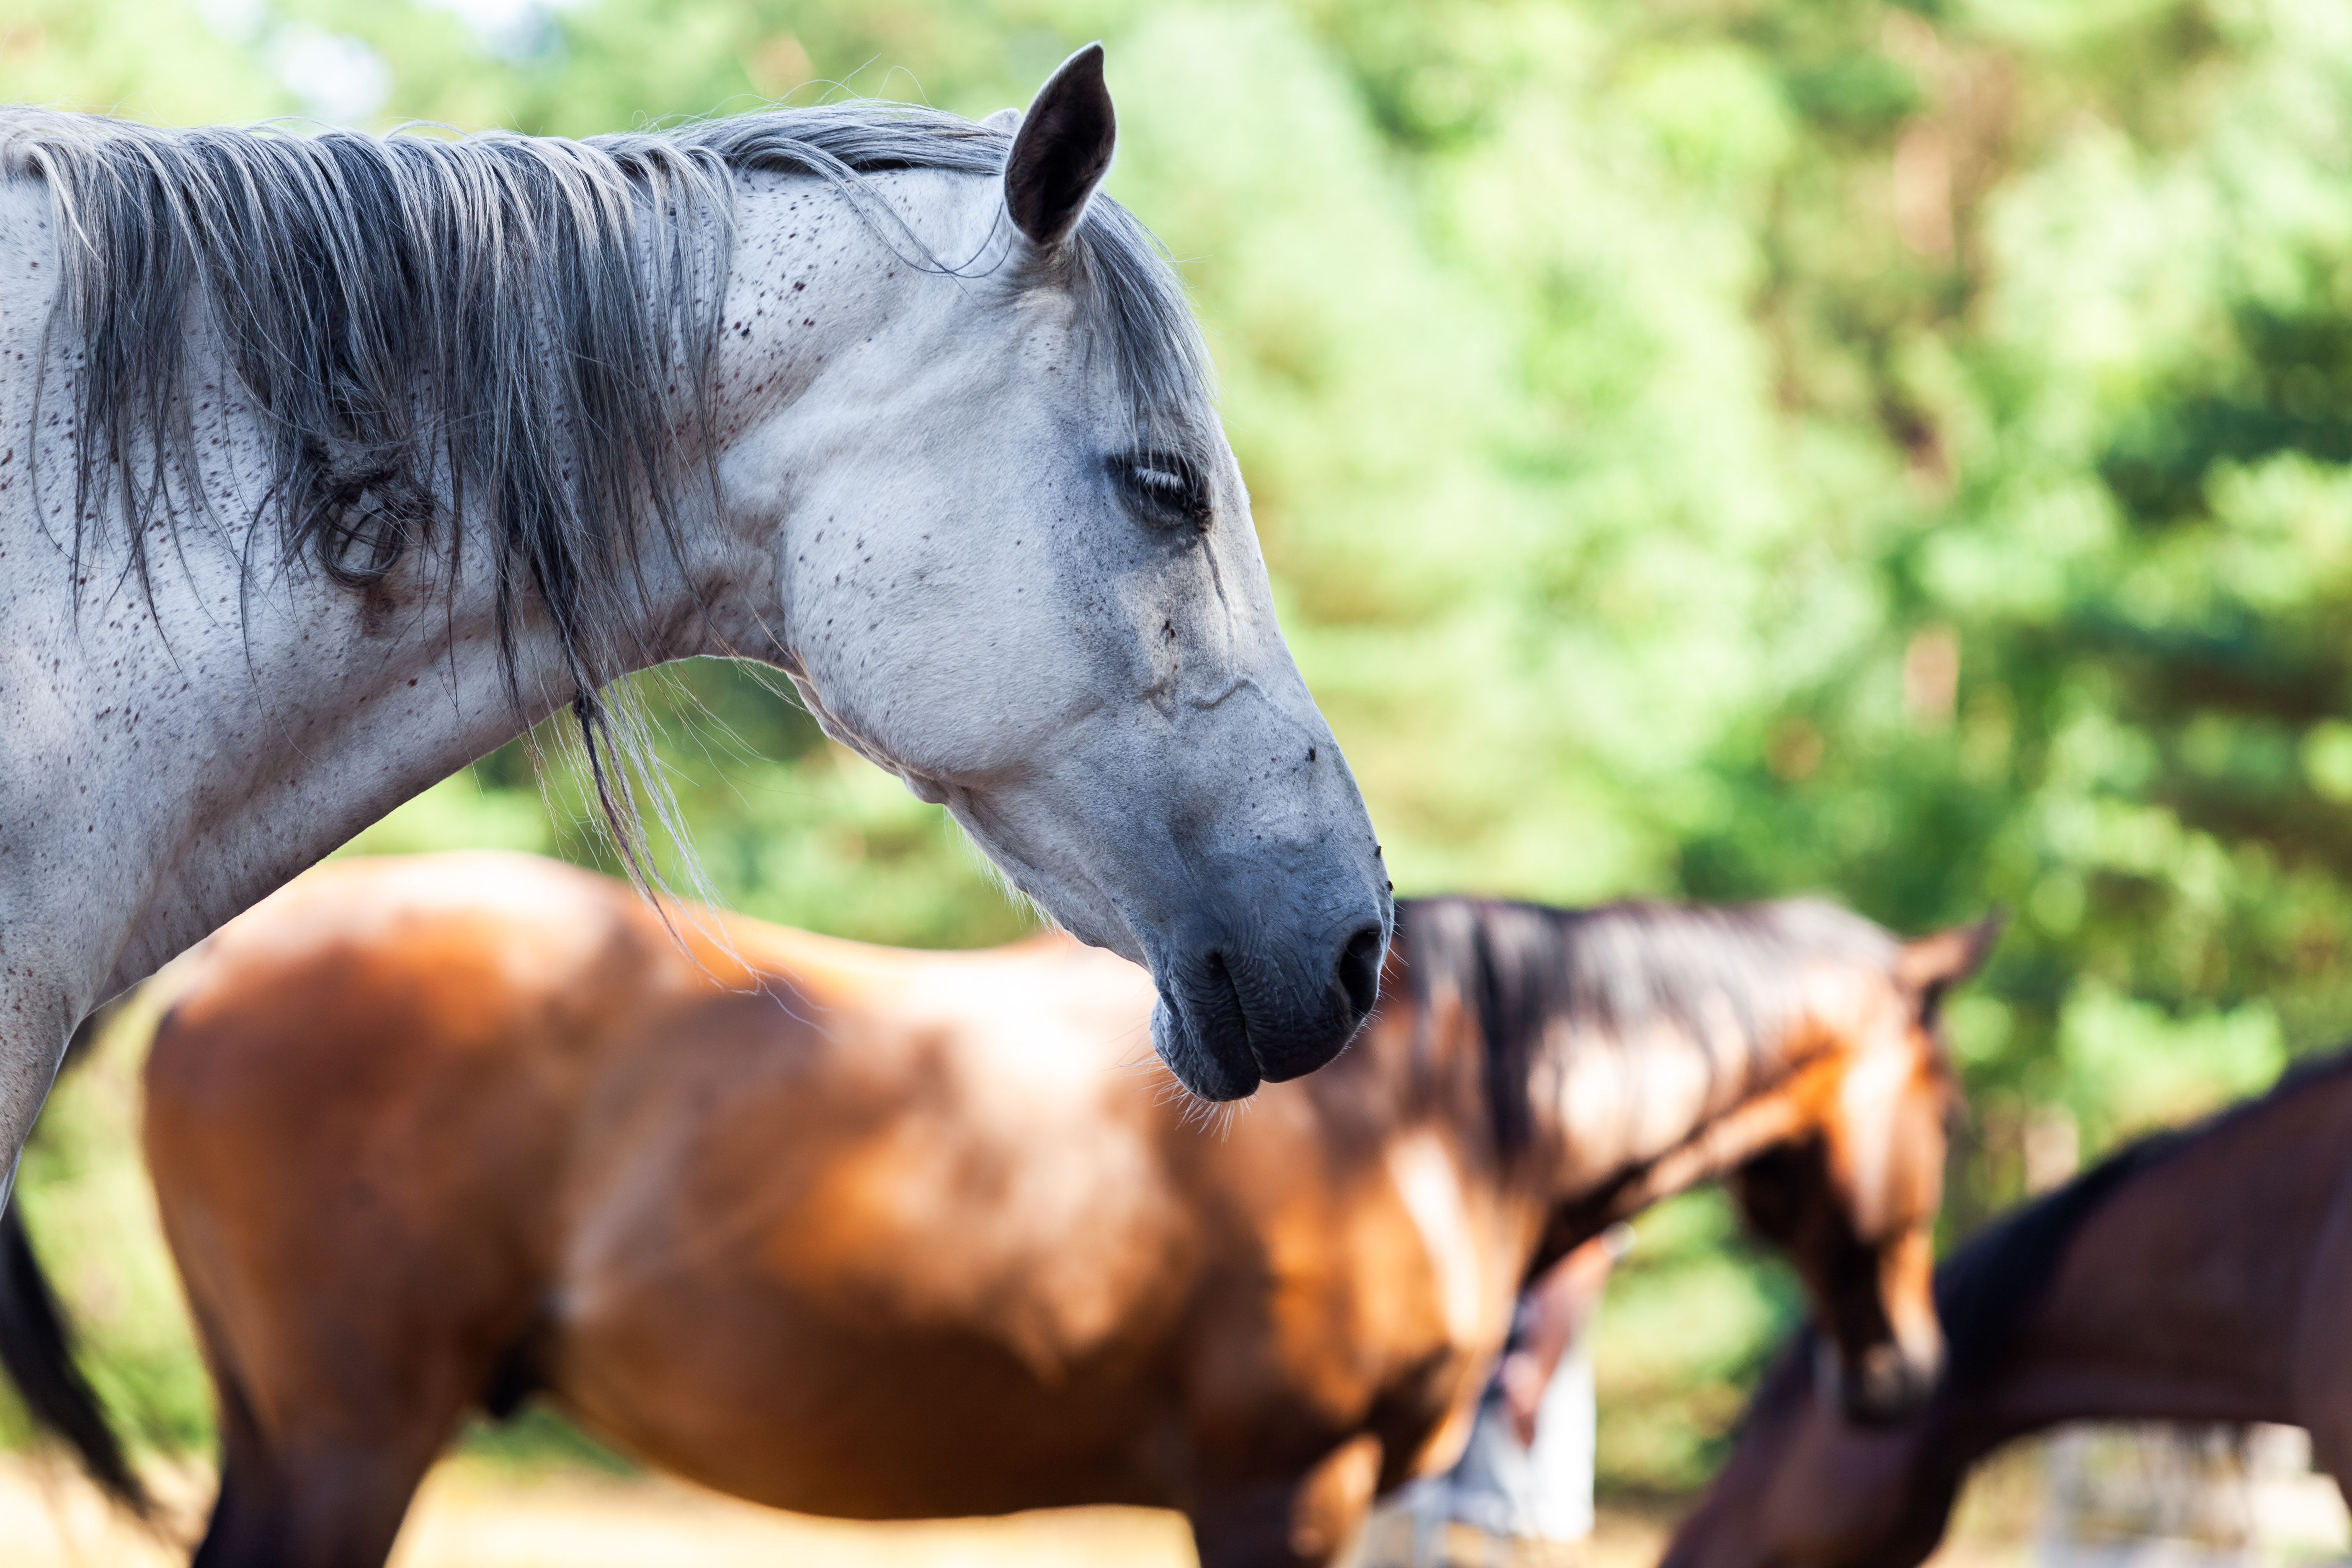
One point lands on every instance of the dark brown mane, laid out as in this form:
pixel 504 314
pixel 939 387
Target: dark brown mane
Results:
pixel 1608 970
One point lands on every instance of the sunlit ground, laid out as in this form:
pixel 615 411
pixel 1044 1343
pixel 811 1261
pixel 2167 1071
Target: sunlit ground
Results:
pixel 484 1513
pixel 474 1514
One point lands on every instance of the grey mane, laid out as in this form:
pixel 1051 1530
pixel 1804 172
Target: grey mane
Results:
pixel 1606 972
pixel 505 332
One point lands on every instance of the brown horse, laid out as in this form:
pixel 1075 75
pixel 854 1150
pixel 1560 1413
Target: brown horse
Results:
pixel 880 1233
pixel 2194 1277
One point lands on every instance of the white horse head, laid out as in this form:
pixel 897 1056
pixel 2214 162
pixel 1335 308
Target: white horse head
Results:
pixel 1051 613
pixel 862 392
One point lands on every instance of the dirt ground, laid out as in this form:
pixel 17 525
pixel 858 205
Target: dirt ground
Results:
pixel 480 1514
pixel 483 1513
pixel 488 1516
pixel 477 1515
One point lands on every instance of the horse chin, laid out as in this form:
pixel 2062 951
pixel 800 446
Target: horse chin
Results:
pixel 1203 1069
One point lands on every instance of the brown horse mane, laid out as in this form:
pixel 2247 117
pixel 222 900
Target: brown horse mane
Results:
pixel 1608 970
pixel 1989 1286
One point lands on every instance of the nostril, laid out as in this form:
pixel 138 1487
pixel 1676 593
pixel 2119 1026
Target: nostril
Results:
pixel 1358 971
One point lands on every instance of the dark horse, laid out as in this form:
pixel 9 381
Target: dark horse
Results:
pixel 881 1233
pixel 2201 1276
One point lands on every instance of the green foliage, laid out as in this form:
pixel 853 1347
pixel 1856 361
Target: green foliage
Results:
pixel 2137 1065
pixel 1716 448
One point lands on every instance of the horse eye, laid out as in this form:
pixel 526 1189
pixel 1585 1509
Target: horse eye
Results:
pixel 1164 489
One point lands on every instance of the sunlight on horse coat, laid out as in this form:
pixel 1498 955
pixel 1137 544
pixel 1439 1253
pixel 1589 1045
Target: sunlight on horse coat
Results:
pixel 887 1234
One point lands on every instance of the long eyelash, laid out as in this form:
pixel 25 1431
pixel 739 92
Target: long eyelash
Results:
pixel 1167 481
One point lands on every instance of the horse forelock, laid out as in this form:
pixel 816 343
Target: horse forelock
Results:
pixel 499 330
pixel 1541 977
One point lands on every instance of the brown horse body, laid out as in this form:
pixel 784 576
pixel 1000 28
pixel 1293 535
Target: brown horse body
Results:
pixel 880 1233
pixel 2198 1277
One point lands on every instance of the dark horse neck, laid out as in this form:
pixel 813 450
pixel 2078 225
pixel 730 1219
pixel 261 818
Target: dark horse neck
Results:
pixel 1623 1050
pixel 2186 1278
pixel 2165 1284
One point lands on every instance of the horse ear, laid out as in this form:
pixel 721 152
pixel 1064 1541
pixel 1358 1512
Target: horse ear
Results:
pixel 1934 964
pixel 1062 151
pixel 1008 120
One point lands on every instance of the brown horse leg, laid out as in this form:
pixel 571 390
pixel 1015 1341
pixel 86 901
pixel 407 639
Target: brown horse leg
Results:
pixel 1296 1524
pixel 312 1499
pixel 1247 1528
pixel 323 1511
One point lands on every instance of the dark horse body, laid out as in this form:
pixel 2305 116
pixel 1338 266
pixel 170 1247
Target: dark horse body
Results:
pixel 881 1233
pixel 2195 1276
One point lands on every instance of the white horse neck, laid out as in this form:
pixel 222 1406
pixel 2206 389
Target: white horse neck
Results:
pixel 192 741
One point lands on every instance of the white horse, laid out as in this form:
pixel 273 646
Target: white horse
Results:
pixel 328 464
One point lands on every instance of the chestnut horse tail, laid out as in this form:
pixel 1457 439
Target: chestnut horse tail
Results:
pixel 38 1353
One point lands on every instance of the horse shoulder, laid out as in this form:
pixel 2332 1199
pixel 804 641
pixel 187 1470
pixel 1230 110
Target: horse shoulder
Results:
pixel 1358 1281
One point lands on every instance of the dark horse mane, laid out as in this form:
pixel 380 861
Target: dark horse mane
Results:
pixel 1992 1283
pixel 511 330
pixel 1607 971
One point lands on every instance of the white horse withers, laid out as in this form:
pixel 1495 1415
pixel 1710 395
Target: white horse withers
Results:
pixel 329 464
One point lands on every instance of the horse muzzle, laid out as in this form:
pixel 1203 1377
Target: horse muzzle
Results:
pixel 1231 1016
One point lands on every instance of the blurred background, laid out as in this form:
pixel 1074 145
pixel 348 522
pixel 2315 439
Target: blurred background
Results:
pixel 1710 449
